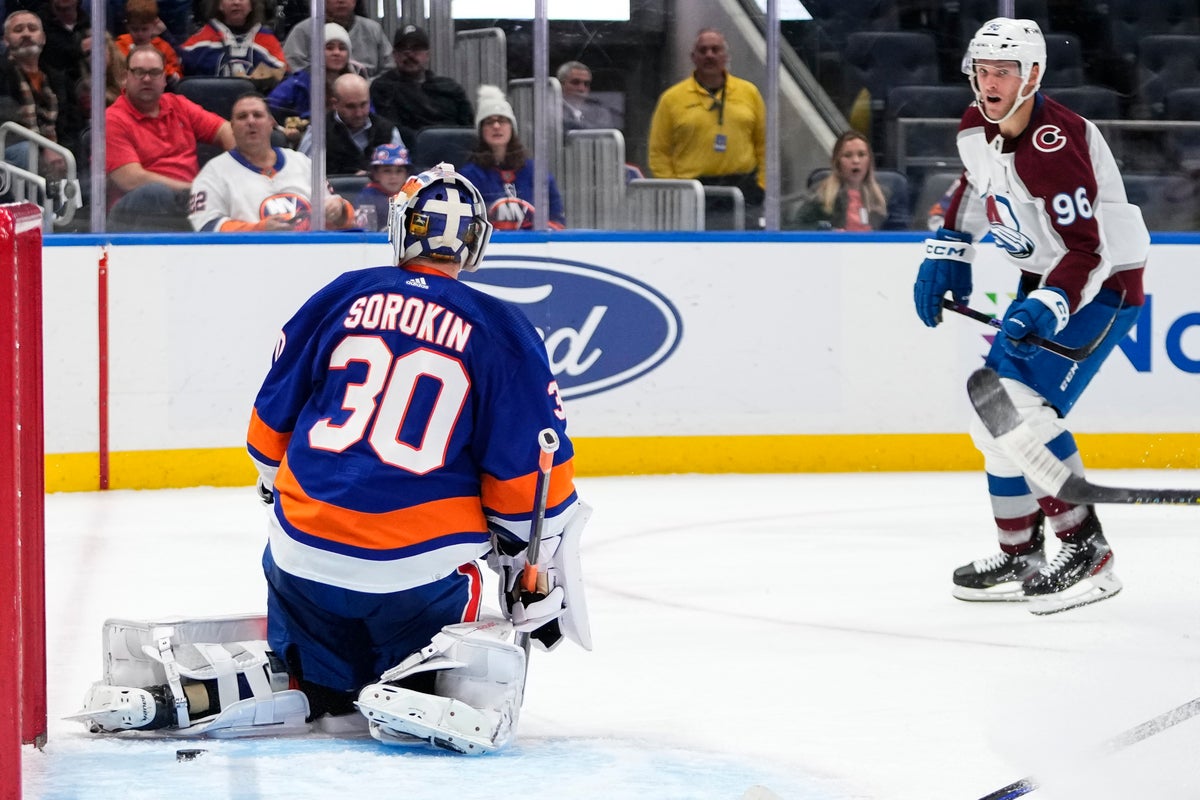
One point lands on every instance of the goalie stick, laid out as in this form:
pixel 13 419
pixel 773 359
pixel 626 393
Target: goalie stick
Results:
pixel 548 444
pixel 1149 728
pixel 998 414
pixel 1072 353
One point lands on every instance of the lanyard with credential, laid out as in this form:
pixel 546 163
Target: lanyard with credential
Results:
pixel 719 141
pixel 719 106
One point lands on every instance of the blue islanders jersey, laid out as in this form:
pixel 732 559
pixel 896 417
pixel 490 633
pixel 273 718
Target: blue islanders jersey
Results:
pixel 399 420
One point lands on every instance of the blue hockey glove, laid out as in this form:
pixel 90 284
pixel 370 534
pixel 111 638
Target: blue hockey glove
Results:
pixel 946 268
pixel 1043 313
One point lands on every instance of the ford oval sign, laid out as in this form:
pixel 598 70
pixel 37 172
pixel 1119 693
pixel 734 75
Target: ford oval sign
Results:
pixel 602 329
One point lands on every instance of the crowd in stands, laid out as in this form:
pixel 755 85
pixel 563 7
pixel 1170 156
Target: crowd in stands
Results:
pixel 708 126
pixel 161 144
pixel 174 162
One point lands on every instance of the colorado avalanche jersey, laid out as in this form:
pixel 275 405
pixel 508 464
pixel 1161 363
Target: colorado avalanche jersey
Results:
pixel 230 187
pixel 400 420
pixel 1053 200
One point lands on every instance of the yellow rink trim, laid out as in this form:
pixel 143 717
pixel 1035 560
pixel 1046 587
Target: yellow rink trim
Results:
pixel 174 469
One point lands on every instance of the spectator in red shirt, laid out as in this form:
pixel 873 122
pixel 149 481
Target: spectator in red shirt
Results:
pixel 151 148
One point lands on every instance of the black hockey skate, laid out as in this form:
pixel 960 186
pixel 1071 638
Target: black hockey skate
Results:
pixel 1080 574
pixel 998 578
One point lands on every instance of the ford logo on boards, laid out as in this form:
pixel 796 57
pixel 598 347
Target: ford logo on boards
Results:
pixel 602 329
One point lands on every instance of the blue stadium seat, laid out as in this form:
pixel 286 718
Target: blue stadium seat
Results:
pixel 973 13
pixel 1093 102
pixel 1064 60
pixel 1183 105
pixel 930 144
pixel 438 144
pixel 348 186
pixel 1168 202
pixel 879 61
pixel 882 60
pixel 1165 63
pixel 213 93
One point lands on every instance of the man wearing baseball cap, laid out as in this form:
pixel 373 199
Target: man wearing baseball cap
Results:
pixel 412 96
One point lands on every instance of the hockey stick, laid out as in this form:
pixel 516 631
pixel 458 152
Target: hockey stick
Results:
pixel 1072 353
pixel 548 443
pixel 1149 728
pixel 998 414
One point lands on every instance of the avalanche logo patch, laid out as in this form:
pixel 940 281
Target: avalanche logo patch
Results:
pixel 1049 139
pixel 602 328
pixel 1006 228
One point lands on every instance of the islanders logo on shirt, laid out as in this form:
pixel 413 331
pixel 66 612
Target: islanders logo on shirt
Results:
pixel 1006 228
pixel 289 206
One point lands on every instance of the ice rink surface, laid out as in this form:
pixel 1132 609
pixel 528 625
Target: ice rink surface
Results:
pixel 791 631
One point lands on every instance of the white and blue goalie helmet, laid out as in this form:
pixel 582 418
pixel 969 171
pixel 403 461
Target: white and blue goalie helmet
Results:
pixel 440 215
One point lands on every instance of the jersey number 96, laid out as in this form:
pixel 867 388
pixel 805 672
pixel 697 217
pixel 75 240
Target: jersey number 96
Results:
pixel 1069 208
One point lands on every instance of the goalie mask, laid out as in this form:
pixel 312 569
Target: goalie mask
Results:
pixel 1004 39
pixel 440 215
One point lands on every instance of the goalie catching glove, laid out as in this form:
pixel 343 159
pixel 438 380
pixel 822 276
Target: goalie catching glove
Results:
pixel 557 608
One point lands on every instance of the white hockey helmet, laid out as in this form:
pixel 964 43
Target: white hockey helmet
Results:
pixel 1005 39
pixel 440 215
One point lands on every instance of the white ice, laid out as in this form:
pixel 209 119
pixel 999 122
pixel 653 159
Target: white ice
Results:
pixel 791 631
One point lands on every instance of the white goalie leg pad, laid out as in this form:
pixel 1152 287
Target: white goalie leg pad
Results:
pixel 477 692
pixel 276 714
pixel 142 657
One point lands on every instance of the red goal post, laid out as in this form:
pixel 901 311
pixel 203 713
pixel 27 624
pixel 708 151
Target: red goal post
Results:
pixel 22 494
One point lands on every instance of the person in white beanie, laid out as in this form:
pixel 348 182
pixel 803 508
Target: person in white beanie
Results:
pixel 293 97
pixel 501 170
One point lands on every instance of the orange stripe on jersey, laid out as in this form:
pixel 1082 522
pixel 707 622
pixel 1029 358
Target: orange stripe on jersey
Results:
pixel 265 439
pixel 387 530
pixel 515 496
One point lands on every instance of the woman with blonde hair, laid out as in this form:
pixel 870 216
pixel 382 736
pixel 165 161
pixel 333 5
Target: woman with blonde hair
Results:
pixel 849 198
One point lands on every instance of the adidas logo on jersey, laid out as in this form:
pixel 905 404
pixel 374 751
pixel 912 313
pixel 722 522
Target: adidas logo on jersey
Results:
pixel 418 282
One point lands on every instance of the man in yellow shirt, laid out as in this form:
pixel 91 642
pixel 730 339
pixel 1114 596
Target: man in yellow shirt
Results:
pixel 712 126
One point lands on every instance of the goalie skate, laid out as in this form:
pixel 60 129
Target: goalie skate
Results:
pixel 107 709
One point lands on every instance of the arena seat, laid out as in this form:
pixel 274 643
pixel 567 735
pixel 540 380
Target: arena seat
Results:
pixel 213 93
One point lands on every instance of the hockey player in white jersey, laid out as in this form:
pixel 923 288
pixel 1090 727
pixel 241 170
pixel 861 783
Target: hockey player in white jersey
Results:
pixel 1042 180
pixel 259 187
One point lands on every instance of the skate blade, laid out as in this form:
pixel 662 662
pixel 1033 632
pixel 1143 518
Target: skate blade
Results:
pixel 1009 592
pixel 1094 589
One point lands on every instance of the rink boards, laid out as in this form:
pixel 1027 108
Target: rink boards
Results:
pixel 675 352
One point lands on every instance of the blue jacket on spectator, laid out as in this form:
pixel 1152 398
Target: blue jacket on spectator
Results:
pixel 509 196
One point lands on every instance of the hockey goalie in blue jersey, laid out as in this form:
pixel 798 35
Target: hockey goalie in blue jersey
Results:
pixel 397 440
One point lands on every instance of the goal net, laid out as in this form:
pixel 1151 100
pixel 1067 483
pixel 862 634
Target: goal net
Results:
pixel 22 493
